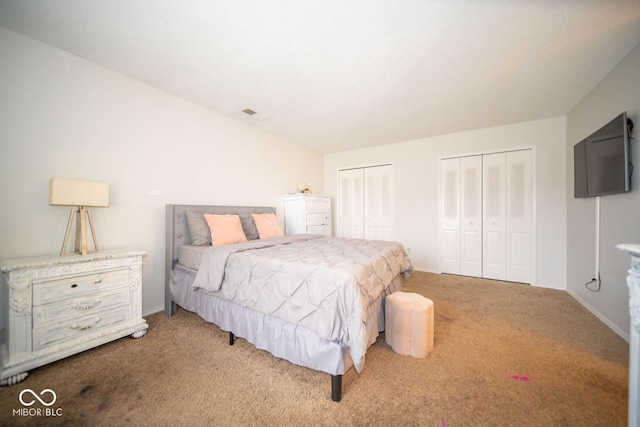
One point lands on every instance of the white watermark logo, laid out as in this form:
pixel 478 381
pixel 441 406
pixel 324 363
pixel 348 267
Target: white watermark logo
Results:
pixel 46 390
pixel 46 397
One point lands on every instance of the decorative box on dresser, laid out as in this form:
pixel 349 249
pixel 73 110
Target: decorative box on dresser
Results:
pixel 59 306
pixel 633 281
pixel 307 214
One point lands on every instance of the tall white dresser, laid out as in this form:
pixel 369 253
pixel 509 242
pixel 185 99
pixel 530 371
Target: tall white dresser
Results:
pixel 59 306
pixel 307 214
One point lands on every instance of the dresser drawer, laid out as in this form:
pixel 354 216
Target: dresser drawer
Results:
pixel 317 219
pixel 319 229
pixel 75 286
pixel 83 306
pixel 47 335
pixel 317 206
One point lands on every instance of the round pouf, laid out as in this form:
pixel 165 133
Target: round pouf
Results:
pixel 409 324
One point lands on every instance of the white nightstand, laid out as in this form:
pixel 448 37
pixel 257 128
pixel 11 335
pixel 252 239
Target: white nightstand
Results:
pixel 60 306
pixel 307 214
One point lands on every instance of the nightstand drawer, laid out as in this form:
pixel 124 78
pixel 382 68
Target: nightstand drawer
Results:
pixel 317 219
pixel 55 333
pixel 75 286
pixel 84 306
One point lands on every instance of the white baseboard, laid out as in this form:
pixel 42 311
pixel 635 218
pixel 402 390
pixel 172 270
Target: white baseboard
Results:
pixel 425 270
pixel 614 328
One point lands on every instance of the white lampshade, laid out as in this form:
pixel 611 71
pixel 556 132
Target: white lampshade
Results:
pixel 67 192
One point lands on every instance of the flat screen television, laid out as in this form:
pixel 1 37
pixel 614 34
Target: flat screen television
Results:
pixel 602 162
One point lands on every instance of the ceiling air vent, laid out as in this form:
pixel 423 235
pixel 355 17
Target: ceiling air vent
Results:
pixel 255 115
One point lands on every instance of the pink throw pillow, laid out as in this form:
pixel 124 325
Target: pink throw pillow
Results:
pixel 267 225
pixel 225 229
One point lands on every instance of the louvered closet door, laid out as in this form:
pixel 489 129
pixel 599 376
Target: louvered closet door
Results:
pixel 350 203
pixel 378 202
pixel 518 230
pixel 486 211
pixel 494 216
pixel 450 205
pixel 471 216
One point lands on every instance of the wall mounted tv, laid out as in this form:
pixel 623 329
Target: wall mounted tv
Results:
pixel 602 162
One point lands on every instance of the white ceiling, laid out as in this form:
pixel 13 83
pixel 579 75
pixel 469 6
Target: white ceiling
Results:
pixel 336 75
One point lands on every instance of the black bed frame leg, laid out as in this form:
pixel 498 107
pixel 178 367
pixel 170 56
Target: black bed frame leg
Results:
pixel 232 338
pixel 336 388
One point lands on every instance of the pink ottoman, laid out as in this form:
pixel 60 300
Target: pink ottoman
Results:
pixel 409 324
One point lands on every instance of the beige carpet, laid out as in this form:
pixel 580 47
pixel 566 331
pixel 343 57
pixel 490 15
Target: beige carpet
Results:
pixel 505 355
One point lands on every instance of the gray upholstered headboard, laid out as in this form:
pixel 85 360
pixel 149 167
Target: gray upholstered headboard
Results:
pixel 177 233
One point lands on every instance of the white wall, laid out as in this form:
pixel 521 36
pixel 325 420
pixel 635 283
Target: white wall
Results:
pixel 62 116
pixel 620 213
pixel 416 187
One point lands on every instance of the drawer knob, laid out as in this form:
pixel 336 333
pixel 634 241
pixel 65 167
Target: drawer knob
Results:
pixel 75 285
pixel 98 281
pixel 87 326
pixel 86 306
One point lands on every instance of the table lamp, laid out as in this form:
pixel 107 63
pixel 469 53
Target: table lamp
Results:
pixel 80 194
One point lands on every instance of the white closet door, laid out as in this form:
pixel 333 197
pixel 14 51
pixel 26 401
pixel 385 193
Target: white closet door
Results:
pixel 471 216
pixel 370 203
pixel 343 219
pixel 486 211
pixel 350 203
pixel 494 216
pixel 386 207
pixel 450 205
pixel 378 203
pixel 518 230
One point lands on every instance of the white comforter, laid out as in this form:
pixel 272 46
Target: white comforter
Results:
pixel 323 283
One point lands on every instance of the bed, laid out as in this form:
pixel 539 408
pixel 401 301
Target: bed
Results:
pixel 313 300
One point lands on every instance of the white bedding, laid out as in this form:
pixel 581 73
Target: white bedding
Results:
pixel 325 284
